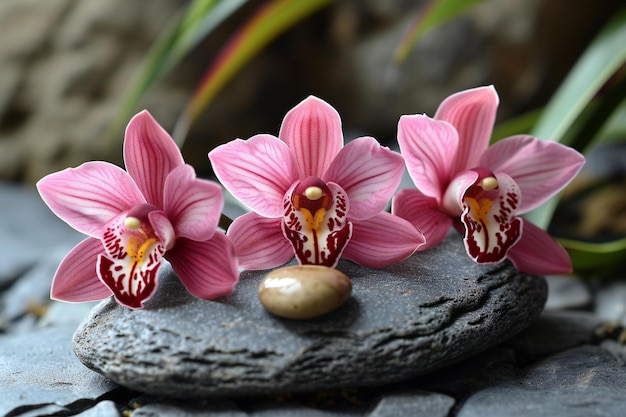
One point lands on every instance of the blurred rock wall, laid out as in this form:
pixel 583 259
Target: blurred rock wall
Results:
pixel 64 65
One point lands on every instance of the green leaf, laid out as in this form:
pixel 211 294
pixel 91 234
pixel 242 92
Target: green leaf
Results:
pixel 274 18
pixel 600 61
pixel 434 14
pixel 182 34
pixel 596 116
pixel 596 258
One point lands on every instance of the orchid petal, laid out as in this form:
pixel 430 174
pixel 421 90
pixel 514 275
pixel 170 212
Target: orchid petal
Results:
pixel 76 280
pixel 207 269
pixel 163 229
pixel 259 242
pixel 538 253
pixel 150 154
pixel 258 172
pixel 382 240
pixel 193 205
pixel 453 198
pixel 312 130
pixel 88 196
pixel 491 227
pixel 540 168
pixel 368 173
pixel 429 147
pixel 320 235
pixel 473 113
pixel 424 213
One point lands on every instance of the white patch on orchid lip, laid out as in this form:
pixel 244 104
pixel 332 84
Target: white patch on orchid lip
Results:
pixel 287 286
pixel 313 193
pixel 132 223
pixel 489 184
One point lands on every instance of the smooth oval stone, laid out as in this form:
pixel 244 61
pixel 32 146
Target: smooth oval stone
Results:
pixel 425 313
pixel 304 291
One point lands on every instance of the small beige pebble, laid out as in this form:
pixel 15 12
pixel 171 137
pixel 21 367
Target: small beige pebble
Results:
pixel 304 291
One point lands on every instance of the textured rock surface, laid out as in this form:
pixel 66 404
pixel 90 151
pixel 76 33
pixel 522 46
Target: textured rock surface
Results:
pixel 41 371
pixel 581 382
pixel 409 319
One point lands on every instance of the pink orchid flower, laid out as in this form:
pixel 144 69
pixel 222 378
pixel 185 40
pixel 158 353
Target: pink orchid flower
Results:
pixel 313 197
pixel 134 218
pixel 458 177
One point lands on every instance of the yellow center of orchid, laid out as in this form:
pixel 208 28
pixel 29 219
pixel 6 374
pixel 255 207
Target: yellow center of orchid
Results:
pixel 313 199
pixel 478 209
pixel 137 250
pixel 489 184
pixel 140 242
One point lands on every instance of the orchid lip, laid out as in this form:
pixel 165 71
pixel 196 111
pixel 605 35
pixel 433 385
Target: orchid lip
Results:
pixel 491 226
pixel 315 221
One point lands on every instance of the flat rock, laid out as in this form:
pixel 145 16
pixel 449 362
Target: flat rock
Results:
pixel 39 372
pixel 586 381
pixel 412 318
pixel 567 292
pixel 29 232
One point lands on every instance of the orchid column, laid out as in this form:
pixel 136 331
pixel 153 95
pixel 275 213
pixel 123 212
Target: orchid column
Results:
pixel 313 197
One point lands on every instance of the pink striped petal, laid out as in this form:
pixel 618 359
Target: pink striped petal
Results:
pixel 540 168
pixel 424 213
pixel 368 173
pixel 163 229
pixel 207 269
pixel 192 205
pixel 150 155
pixel 453 198
pixel 76 280
pixel 538 253
pixel 258 172
pixel 473 113
pixel 429 147
pixel 312 130
pixel 259 242
pixel 382 240
pixel 89 196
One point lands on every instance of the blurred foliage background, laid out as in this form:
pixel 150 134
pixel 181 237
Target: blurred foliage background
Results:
pixel 73 72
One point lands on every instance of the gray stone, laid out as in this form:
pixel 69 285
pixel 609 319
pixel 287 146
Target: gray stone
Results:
pixel 66 314
pixel 611 303
pixel 586 381
pixel 217 408
pixel 33 288
pixel 28 232
pixel 554 332
pixel 415 403
pixel 38 369
pixel 44 410
pixel 427 312
pixel 567 292
pixel 102 409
